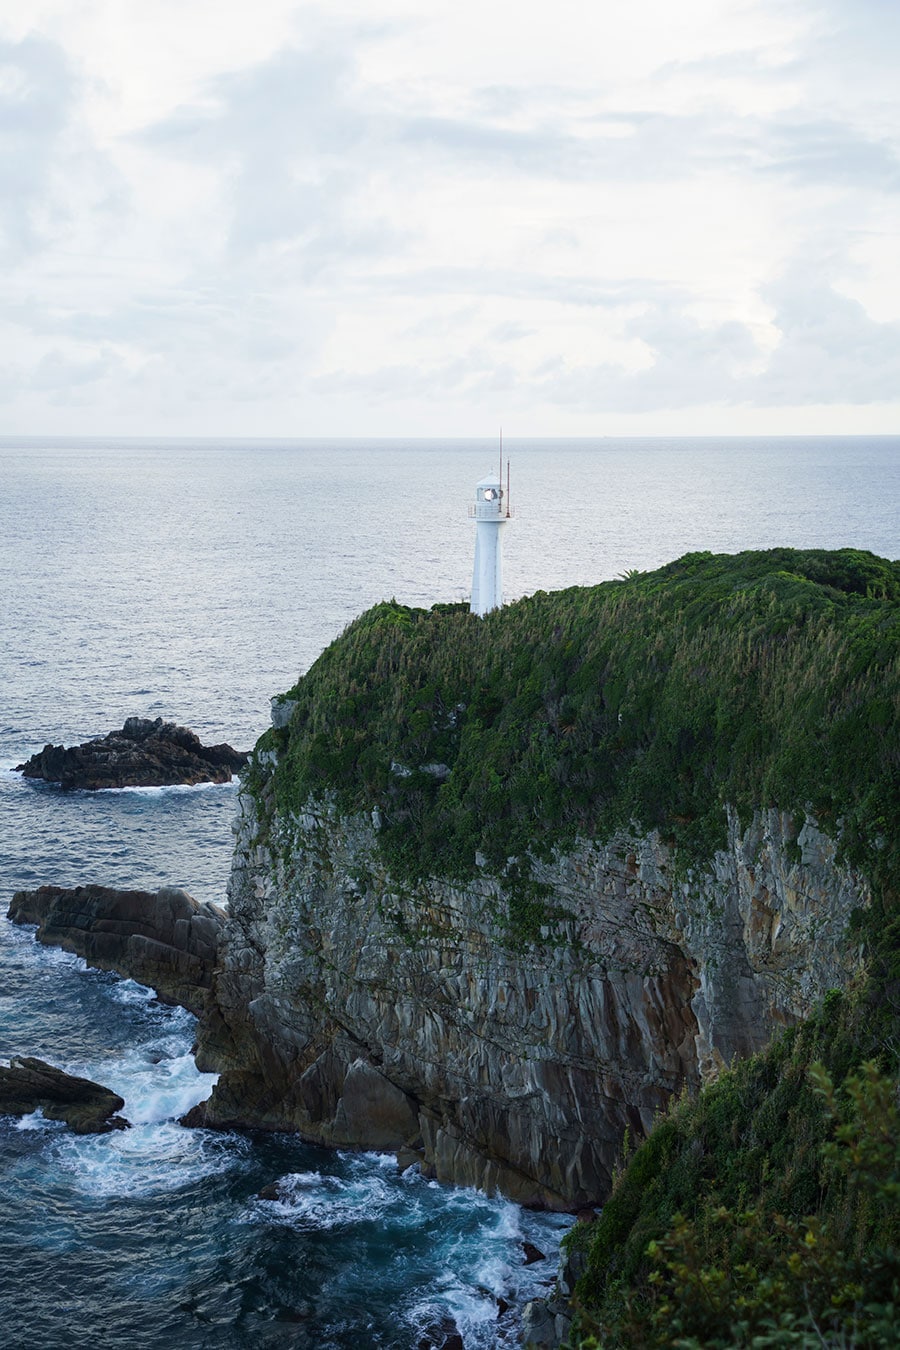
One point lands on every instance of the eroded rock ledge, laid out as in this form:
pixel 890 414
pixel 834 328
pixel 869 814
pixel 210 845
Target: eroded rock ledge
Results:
pixel 144 753
pixel 363 1014
pixel 165 939
pixel 86 1107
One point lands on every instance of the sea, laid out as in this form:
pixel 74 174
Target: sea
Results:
pixel 193 580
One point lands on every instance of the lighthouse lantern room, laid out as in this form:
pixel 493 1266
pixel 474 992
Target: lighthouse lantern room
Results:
pixel 490 511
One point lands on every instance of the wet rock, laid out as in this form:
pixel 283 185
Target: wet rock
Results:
pixel 532 1253
pixel 407 1158
pixel 144 753
pixel 165 939
pixel 270 1192
pixel 442 1336
pixel 195 1118
pixel 86 1107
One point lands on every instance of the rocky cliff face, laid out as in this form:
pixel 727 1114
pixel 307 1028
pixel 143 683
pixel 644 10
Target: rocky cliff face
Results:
pixel 363 1014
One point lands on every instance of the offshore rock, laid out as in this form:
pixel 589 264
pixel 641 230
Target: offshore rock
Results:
pixel 86 1107
pixel 362 1013
pixel 144 753
pixel 164 939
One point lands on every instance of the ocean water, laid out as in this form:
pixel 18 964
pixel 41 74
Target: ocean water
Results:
pixel 194 580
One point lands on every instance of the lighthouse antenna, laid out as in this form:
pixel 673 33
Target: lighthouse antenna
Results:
pixel 501 456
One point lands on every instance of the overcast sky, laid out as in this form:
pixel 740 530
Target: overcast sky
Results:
pixel 568 217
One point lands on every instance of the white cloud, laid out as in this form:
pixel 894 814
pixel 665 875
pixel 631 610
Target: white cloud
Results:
pixel 36 95
pixel 391 218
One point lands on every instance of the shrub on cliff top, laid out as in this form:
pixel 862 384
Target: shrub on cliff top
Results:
pixel 761 679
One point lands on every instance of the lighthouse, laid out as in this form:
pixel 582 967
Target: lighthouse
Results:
pixel 490 511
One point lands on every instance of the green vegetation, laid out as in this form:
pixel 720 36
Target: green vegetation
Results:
pixel 765 1212
pixel 767 678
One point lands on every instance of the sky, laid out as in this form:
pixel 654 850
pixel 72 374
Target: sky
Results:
pixel 398 218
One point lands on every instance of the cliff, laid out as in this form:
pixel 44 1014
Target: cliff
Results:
pixel 361 1012
pixel 502 887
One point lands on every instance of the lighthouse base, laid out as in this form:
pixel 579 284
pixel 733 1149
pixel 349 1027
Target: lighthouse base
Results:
pixel 487 579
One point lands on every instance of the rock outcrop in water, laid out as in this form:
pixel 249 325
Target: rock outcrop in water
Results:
pixel 165 939
pixel 86 1107
pixel 144 753
pixel 361 1013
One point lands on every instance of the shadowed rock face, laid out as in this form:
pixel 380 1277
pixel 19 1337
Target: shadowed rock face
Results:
pixel 86 1107
pixel 144 753
pixel 363 1014
pixel 164 939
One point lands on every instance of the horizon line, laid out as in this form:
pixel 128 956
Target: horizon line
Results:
pixel 12 441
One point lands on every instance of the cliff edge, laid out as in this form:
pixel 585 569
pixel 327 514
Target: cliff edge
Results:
pixel 503 887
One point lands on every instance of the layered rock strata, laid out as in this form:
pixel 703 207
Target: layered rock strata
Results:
pixel 144 753
pixel 366 1014
pixel 87 1108
pixel 165 939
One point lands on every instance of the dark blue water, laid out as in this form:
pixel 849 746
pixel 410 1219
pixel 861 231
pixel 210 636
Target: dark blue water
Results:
pixel 194 581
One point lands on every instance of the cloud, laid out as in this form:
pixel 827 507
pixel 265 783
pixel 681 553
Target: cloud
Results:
pixel 646 146
pixel 831 153
pixel 831 351
pixel 64 374
pixel 366 216
pixel 827 350
pixel 58 188
pixel 293 150
pixel 36 97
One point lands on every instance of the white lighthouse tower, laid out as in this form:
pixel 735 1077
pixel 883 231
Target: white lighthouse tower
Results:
pixel 490 511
